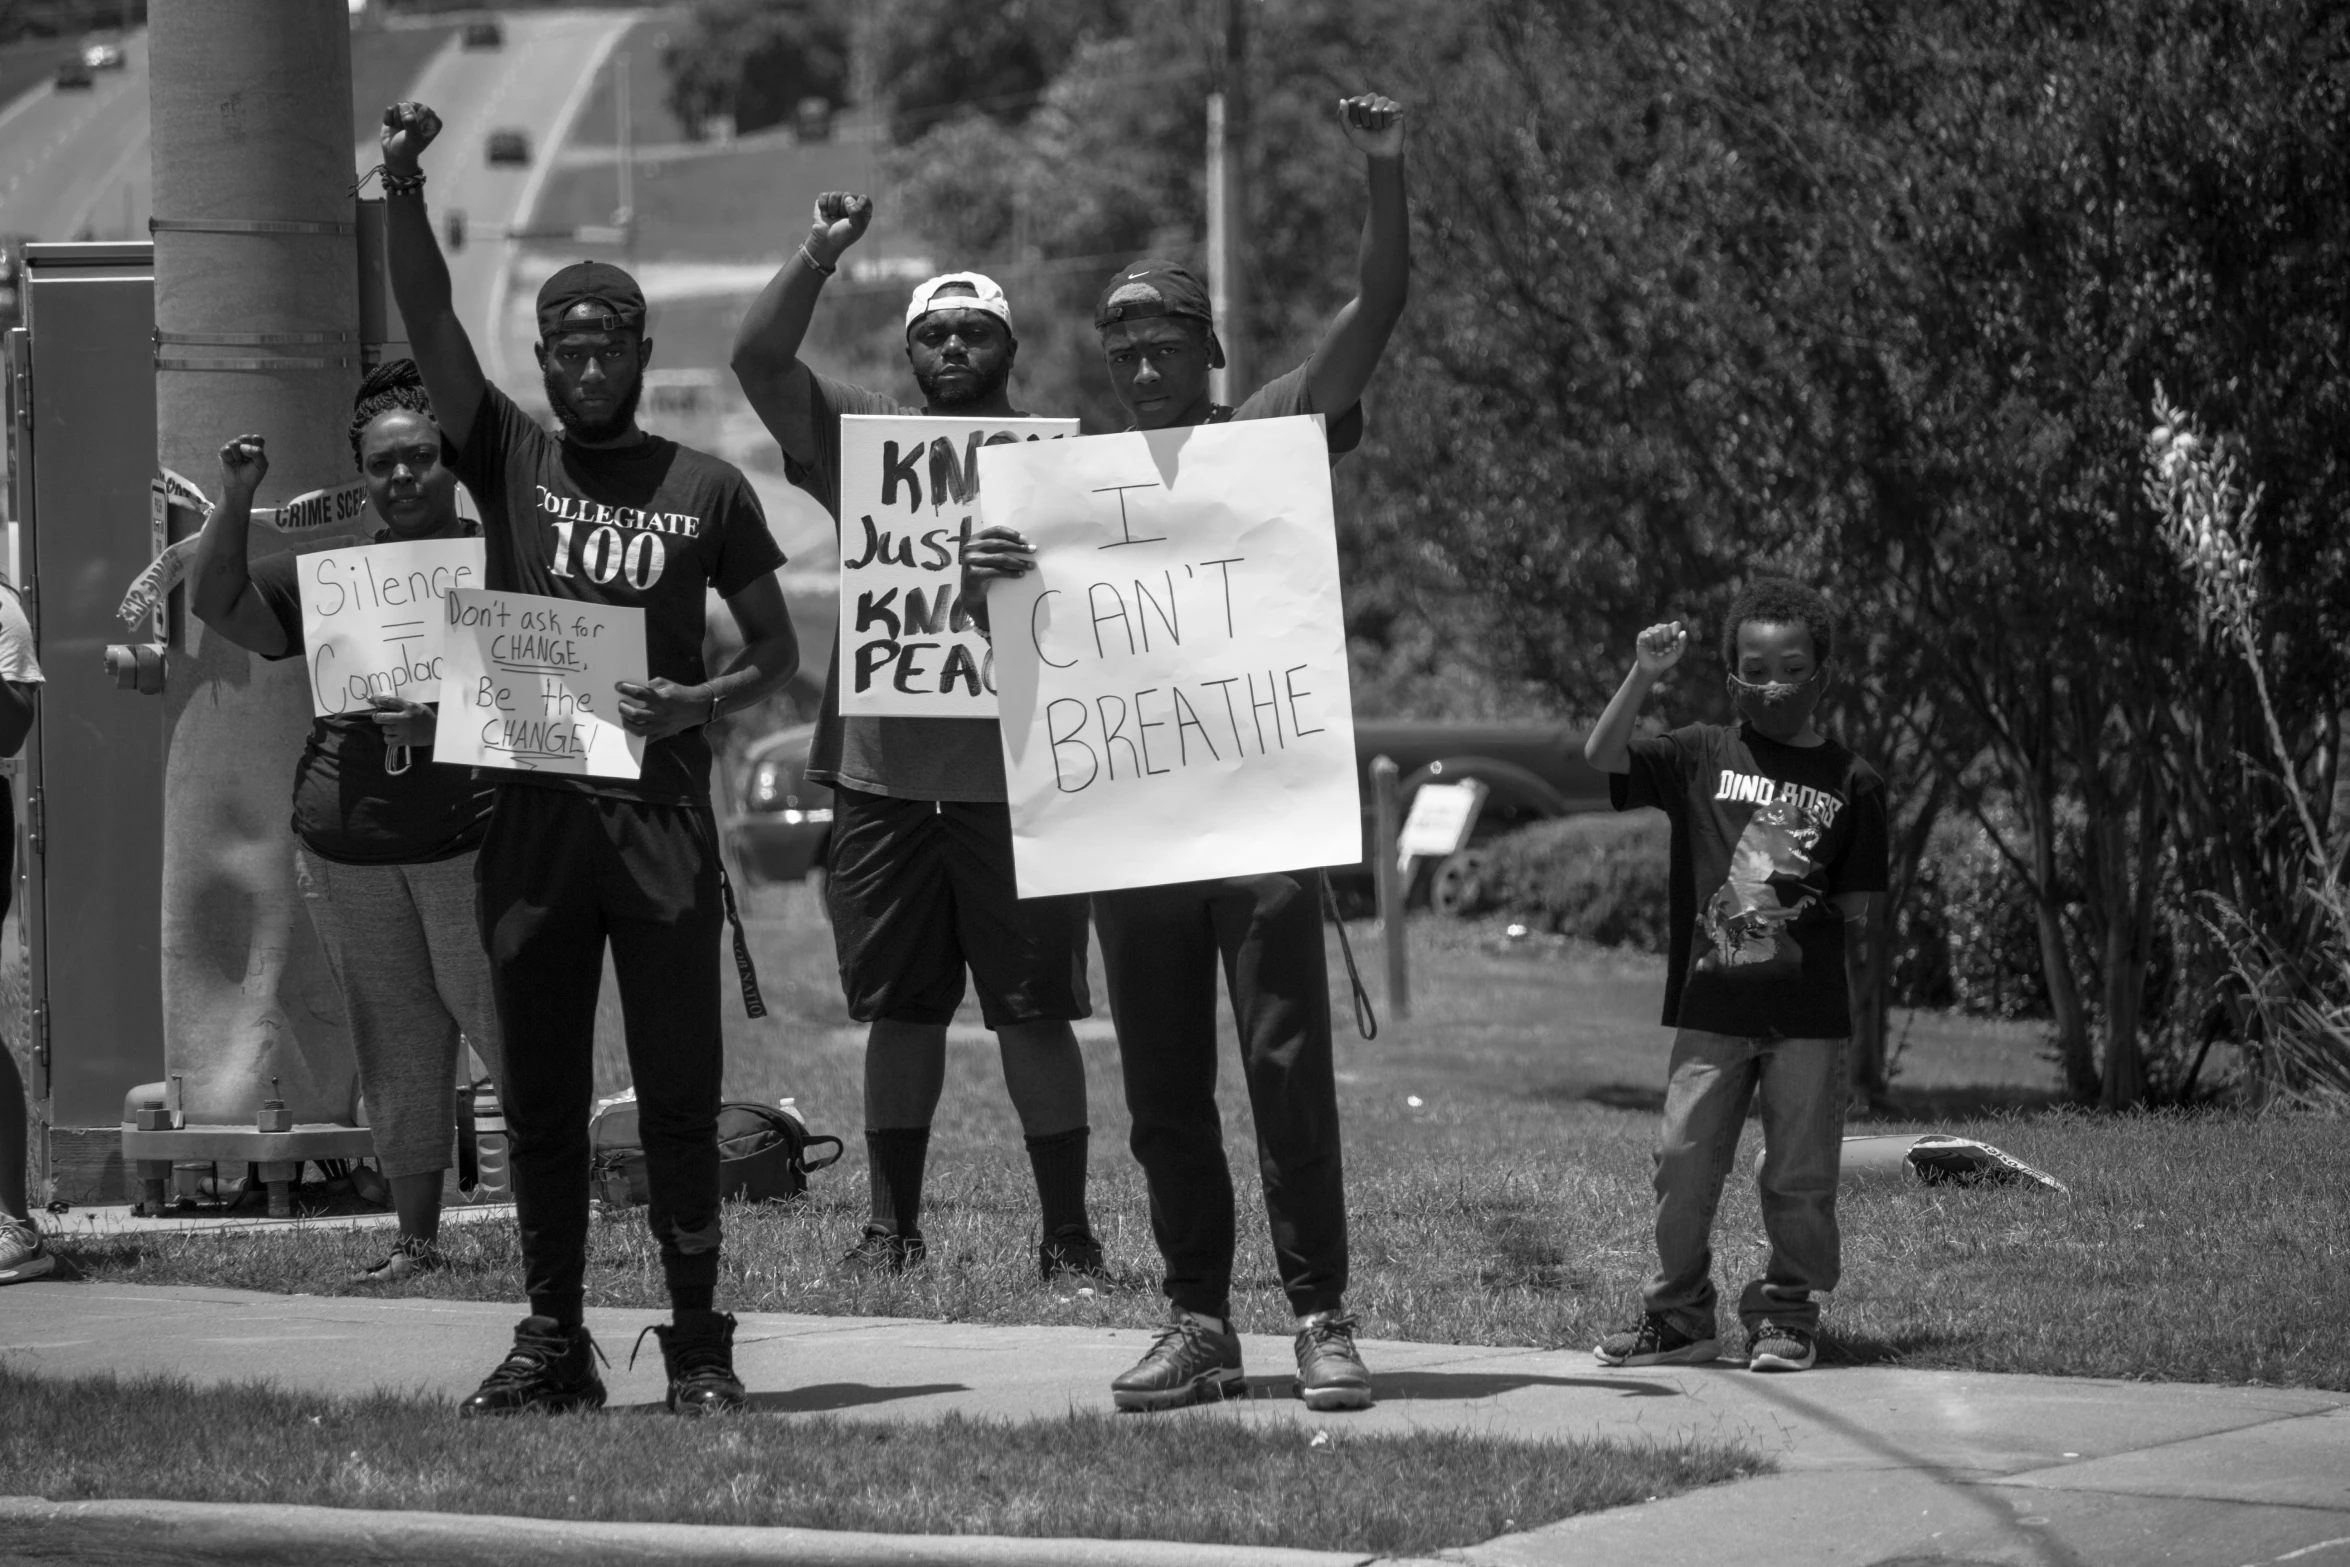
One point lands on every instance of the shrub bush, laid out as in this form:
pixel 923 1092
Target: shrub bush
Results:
pixel 1601 877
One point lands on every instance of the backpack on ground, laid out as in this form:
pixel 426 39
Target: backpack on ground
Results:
pixel 762 1154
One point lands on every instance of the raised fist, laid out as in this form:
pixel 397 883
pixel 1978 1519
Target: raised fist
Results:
pixel 243 463
pixel 1660 647
pixel 409 128
pixel 1374 123
pixel 842 217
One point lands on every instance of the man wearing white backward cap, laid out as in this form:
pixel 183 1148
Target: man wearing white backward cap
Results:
pixel 921 882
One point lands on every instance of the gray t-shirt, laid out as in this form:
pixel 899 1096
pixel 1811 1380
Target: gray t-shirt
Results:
pixel 911 758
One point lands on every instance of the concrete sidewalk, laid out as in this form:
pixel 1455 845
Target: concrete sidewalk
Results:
pixel 1874 1465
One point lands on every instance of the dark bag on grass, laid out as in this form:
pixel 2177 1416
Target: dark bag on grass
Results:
pixel 762 1154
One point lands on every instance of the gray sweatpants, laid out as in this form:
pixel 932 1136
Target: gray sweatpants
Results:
pixel 405 947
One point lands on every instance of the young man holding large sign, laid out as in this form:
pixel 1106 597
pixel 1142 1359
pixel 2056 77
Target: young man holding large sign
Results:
pixel 388 841
pixel 607 515
pixel 1161 945
pixel 921 878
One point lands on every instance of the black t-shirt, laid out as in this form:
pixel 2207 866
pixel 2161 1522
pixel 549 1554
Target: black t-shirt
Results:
pixel 1764 835
pixel 653 525
pixel 347 808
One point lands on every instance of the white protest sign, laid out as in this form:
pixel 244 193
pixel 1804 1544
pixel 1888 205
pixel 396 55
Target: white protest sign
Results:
pixel 1173 671
pixel 909 490
pixel 1441 819
pixel 373 620
pixel 526 683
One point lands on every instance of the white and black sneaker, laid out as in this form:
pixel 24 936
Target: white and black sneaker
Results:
pixel 1189 1363
pixel 1654 1341
pixel 23 1256
pixel 1771 1347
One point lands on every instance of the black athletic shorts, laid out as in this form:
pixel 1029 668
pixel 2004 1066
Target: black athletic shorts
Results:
pixel 921 888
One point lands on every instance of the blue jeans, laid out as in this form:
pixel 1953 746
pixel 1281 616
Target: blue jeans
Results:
pixel 1714 1077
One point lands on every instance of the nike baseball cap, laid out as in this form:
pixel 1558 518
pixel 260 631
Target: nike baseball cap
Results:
pixel 1151 287
pixel 959 291
pixel 590 296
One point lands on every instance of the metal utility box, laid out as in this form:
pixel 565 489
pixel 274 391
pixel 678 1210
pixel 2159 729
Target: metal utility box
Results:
pixel 81 410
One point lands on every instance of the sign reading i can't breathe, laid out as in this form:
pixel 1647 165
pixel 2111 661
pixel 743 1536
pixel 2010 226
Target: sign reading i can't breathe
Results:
pixel 1173 669
pixel 909 490
pixel 527 683
pixel 373 619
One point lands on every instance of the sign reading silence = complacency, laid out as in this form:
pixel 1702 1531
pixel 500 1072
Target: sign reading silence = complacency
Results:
pixel 527 683
pixel 1173 670
pixel 374 618
pixel 909 494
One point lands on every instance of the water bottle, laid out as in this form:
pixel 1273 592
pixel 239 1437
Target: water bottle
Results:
pixel 489 1141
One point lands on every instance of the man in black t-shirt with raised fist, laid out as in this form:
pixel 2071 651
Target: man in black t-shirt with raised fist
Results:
pixel 606 514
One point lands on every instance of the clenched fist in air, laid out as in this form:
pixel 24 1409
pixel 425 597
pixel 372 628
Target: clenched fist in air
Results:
pixel 409 128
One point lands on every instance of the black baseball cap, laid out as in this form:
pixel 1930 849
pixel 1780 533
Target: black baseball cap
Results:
pixel 1151 287
pixel 591 296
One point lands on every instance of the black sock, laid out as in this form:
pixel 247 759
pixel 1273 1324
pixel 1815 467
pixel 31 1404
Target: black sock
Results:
pixel 897 1155
pixel 692 1278
pixel 567 1313
pixel 1058 1159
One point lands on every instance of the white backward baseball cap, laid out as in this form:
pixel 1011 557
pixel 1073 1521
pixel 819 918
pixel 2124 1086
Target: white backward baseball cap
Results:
pixel 983 294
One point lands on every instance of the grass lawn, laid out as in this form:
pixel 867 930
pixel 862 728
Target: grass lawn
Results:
pixel 1084 1474
pixel 1497 1147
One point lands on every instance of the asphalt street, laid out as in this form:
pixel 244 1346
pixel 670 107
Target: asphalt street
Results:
pixel 73 161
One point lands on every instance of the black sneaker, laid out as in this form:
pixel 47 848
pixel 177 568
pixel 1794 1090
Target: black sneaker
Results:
pixel 698 1352
pixel 1330 1375
pixel 550 1369
pixel 1771 1347
pixel 881 1251
pixel 1189 1363
pixel 411 1255
pixel 1653 1341
pixel 1072 1251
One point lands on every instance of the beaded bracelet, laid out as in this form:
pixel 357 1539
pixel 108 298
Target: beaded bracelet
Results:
pixel 402 184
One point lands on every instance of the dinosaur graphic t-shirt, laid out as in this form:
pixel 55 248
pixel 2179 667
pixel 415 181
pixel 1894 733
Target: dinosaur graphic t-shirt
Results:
pixel 656 525
pixel 1764 836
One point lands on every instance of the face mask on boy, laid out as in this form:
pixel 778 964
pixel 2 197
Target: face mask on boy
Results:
pixel 1778 708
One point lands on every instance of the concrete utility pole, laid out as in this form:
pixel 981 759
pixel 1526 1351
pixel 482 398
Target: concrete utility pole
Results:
pixel 1228 230
pixel 256 309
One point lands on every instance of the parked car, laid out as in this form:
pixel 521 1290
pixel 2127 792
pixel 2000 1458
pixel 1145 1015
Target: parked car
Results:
pixel 485 34
pixel 102 54
pixel 509 145
pixel 73 72
pixel 1531 773
pixel 781 827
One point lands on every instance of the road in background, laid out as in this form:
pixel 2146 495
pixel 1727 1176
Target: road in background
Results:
pixel 73 164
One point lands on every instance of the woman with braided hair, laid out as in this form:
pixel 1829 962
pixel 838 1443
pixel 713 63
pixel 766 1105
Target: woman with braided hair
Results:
pixel 387 840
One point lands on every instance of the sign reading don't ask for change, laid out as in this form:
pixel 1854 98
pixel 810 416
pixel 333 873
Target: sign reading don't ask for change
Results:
pixel 527 683
pixel 909 501
pixel 1173 670
pixel 373 619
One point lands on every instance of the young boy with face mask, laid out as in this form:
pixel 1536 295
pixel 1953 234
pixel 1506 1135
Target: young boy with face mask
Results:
pixel 1778 851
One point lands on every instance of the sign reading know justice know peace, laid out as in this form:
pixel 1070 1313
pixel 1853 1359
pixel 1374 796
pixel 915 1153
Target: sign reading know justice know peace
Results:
pixel 909 500
pixel 527 684
pixel 1173 670
pixel 373 619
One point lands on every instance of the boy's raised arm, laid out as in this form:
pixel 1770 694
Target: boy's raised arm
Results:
pixel 1350 350
pixel 767 346
pixel 1609 745
pixel 420 277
